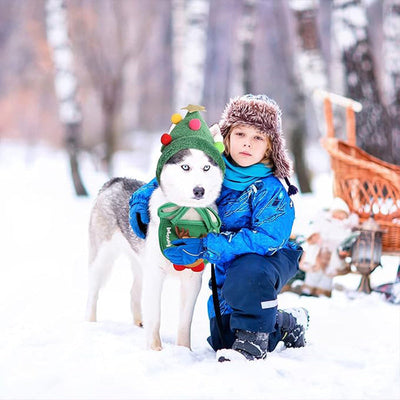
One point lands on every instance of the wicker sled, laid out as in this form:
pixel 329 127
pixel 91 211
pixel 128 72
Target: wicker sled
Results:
pixel 367 184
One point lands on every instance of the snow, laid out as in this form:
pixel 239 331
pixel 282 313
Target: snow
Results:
pixel 303 5
pixel 391 51
pixel 192 78
pixel 312 68
pixel 48 351
pixel 350 22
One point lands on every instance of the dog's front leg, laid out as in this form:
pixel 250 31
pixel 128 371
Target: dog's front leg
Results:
pixel 152 288
pixel 190 288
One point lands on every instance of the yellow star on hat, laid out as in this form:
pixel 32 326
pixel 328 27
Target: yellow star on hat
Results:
pixel 192 108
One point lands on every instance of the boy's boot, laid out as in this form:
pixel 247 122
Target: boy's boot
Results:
pixel 294 323
pixel 248 345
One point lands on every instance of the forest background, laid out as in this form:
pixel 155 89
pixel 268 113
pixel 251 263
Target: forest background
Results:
pixel 124 66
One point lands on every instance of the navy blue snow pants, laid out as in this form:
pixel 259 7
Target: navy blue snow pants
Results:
pixel 251 289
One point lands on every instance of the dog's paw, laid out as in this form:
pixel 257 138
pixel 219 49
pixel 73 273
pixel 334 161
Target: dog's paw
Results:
pixel 138 323
pixel 155 343
pixel 91 317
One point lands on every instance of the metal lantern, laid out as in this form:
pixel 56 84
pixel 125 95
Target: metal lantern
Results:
pixel 367 251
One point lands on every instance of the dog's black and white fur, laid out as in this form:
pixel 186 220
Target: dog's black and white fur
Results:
pixel 190 178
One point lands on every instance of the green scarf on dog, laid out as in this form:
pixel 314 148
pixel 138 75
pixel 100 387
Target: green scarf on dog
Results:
pixel 182 222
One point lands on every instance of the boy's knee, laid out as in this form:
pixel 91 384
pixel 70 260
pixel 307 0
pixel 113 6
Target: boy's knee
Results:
pixel 248 264
pixel 248 274
pixel 251 267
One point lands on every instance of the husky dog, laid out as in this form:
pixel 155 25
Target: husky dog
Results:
pixel 190 178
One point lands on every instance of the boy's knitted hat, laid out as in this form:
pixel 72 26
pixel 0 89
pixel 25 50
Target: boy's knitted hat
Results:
pixel 264 114
pixel 190 132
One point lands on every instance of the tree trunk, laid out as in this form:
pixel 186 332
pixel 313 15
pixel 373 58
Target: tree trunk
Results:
pixel 178 44
pixel 191 85
pixel 111 104
pixel 373 123
pixel 65 85
pixel 298 139
pixel 243 56
pixel 309 62
pixel 296 115
pixel 110 137
pixel 73 132
pixel 391 46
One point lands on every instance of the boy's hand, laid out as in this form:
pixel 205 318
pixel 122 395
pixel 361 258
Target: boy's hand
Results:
pixel 139 219
pixel 139 216
pixel 185 251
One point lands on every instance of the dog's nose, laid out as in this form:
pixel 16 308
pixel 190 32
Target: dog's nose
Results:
pixel 198 192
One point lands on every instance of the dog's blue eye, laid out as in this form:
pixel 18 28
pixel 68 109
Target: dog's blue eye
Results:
pixel 185 167
pixel 206 168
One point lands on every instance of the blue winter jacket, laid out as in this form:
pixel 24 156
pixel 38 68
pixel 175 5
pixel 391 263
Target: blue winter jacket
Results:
pixel 257 220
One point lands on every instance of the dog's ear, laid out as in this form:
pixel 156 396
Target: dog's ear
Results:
pixel 216 133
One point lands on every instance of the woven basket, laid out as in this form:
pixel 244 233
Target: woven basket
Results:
pixel 367 184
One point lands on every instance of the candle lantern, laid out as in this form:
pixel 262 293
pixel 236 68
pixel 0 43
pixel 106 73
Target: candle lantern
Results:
pixel 367 251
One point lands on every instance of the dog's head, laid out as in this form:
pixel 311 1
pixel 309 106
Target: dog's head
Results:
pixel 190 168
pixel 191 178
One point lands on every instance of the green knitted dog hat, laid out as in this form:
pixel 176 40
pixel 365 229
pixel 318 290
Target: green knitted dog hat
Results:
pixel 190 132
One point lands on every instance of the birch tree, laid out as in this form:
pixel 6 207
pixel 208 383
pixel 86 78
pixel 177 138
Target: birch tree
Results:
pixel 373 123
pixel 190 59
pixel 391 55
pixel 178 45
pixel 309 63
pixel 243 56
pixel 65 85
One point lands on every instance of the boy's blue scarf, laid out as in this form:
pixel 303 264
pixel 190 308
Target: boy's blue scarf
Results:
pixel 239 178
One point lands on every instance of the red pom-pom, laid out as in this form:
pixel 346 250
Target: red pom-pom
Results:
pixel 194 124
pixel 179 267
pixel 198 268
pixel 166 139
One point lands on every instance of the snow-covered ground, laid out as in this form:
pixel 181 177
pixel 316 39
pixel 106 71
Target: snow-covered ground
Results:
pixel 47 351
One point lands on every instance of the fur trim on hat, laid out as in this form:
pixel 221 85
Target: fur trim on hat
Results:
pixel 264 114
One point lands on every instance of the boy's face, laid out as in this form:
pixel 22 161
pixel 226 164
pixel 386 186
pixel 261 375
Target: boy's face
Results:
pixel 247 145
